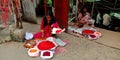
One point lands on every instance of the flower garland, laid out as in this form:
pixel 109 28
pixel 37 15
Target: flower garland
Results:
pixel 5 9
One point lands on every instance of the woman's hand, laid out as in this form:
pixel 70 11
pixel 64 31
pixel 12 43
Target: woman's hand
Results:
pixel 42 30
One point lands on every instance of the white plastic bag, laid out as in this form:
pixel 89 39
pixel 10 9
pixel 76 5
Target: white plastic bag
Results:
pixel 28 36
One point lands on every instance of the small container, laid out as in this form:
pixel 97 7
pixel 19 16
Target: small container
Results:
pixel 46 55
pixel 98 34
pixel 33 52
pixel 30 44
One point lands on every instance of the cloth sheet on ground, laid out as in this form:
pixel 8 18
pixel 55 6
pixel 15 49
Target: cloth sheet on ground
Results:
pixel 45 48
pixel 89 32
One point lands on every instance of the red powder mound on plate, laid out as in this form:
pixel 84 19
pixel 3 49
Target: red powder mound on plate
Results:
pixel 46 54
pixel 88 32
pixel 45 45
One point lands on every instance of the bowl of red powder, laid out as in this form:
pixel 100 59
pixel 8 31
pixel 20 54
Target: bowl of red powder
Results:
pixel 46 45
pixel 87 32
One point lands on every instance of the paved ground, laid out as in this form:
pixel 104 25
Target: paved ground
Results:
pixel 109 38
pixel 78 49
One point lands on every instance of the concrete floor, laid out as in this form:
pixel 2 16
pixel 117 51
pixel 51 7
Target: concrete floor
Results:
pixel 105 48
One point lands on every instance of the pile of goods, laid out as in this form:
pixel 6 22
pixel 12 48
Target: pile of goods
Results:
pixel 90 33
pixel 45 48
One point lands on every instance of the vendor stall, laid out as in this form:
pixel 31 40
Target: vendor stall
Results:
pixel 43 47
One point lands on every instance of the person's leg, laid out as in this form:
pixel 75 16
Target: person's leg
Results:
pixel 77 23
pixel 20 23
pixel 100 25
pixel 103 26
pixel 112 27
pixel 17 17
pixel 17 22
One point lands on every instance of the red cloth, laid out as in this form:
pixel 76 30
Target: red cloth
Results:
pixel 46 33
pixel 55 25
pixel 45 45
pixel 38 35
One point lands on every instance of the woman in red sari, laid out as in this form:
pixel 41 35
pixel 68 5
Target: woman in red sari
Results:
pixel 47 23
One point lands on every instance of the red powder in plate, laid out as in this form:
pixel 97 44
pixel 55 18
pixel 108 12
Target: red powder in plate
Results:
pixel 46 53
pixel 45 45
pixel 58 31
pixel 88 32
pixel 92 36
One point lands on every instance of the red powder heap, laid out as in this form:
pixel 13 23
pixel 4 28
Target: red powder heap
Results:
pixel 46 53
pixel 58 31
pixel 88 32
pixel 92 36
pixel 45 45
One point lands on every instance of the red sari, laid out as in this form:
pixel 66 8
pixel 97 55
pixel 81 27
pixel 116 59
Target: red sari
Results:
pixel 47 30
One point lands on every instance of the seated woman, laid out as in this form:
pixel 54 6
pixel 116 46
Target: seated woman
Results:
pixel 47 23
pixel 84 18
